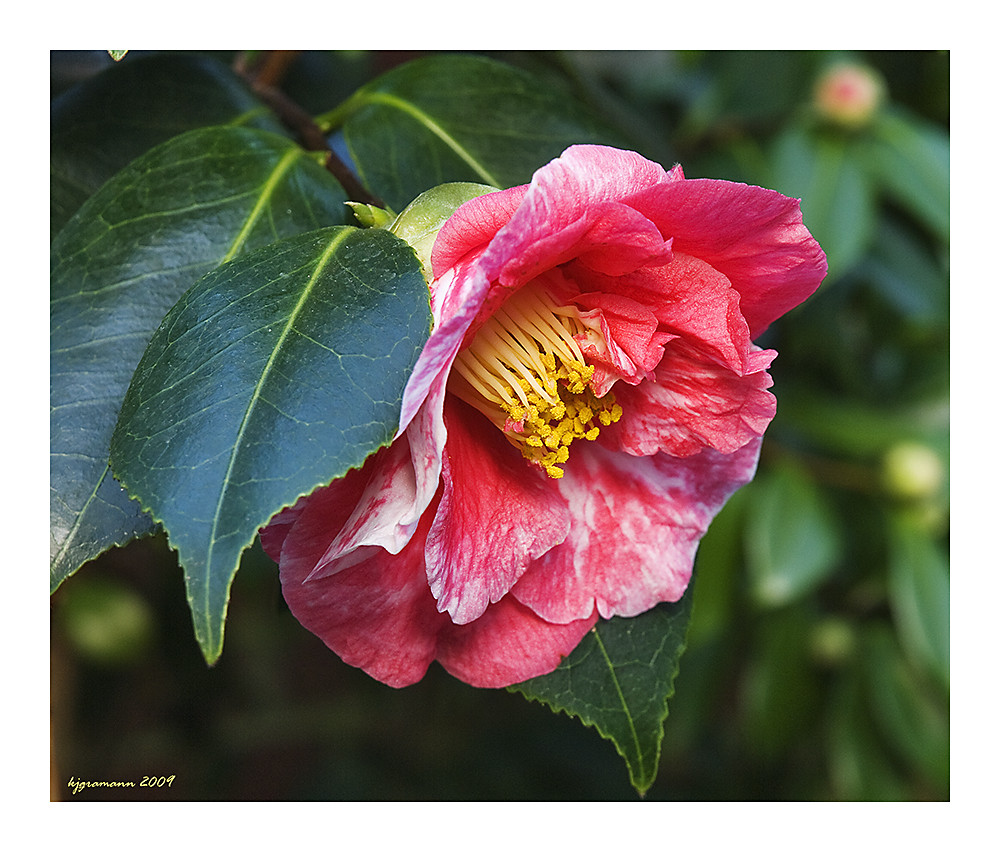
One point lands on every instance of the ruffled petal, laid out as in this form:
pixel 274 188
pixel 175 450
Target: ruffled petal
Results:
pixel 636 527
pixel 577 206
pixel 693 403
pixel 376 613
pixel 497 514
pixel 689 299
pixel 631 344
pixel 754 236
pixel 508 644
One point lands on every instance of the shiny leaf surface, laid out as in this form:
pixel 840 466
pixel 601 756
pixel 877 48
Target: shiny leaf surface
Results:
pixel 122 261
pixel 275 374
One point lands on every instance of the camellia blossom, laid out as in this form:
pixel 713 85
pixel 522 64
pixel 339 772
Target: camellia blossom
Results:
pixel 587 401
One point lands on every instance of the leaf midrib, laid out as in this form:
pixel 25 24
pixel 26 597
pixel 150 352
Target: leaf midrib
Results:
pixel 265 195
pixel 435 128
pixel 624 703
pixel 338 238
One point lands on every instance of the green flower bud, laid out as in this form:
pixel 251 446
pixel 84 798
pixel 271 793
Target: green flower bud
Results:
pixel 423 217
pixel 370 216
pixel 832 641
pixel 106 622
pixel 912 471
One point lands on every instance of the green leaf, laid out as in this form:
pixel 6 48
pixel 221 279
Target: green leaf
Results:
pixel 791 538
pixel 618 680
pixel 907 275
pixel 837 201
pixel 101 125
pixel 443 119
pixel 910 159
pixel 844 425
pixel 273 375
pixel 860 769
pixel 122 261
pixel 920 597
pixel 913 721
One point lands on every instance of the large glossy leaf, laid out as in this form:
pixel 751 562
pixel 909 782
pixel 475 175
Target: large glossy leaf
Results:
pixel 275 374
pixel 122 261
pixel 101 125
pixel 618 680
pixel 457 118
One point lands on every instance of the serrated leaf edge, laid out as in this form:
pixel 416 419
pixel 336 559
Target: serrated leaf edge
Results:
pixel 641 785
pixel 266 192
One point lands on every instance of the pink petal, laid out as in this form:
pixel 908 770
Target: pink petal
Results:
pixel 753 236
pixel 377 613
pixel 692 403
pixel 508 644
pixel 332 504
pixel 472 226
pixel 577 206
pixel 586 174
pixel 497 514
pixel 273 535
pixel 636 527
pixel 458 299
pixel 633 345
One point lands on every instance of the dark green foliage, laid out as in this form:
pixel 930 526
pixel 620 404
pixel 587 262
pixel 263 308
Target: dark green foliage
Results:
pixel 618 679
pixel 144 238
pixel 275 374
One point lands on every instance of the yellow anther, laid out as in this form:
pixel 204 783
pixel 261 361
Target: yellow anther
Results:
pixel 525 371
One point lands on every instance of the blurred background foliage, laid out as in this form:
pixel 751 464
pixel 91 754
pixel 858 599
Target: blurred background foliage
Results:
pixel 818 659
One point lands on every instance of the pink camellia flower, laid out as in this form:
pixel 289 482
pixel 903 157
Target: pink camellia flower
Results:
pixel 588 400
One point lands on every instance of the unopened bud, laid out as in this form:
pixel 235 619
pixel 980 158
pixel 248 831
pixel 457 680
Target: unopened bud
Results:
pixel 848 94
pixel 423 217
pixel 832 641
pixel 912 471
pixel 370 216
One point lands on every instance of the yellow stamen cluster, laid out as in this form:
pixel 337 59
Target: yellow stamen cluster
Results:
pixel 525 371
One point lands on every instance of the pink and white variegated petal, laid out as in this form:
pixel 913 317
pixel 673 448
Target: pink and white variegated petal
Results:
pixel 497 514
pixel 692 403
pixel 458 298
pixel 636 526
pixel 630 343
pixel 384 515
pixel 508 644
pixel 325 510
pixel 376 613
pixel 754 236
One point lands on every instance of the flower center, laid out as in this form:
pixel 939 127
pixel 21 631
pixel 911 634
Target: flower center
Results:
pixel 525 371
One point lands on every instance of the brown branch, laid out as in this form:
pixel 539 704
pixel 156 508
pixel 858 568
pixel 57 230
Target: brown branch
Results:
pixel 262 78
